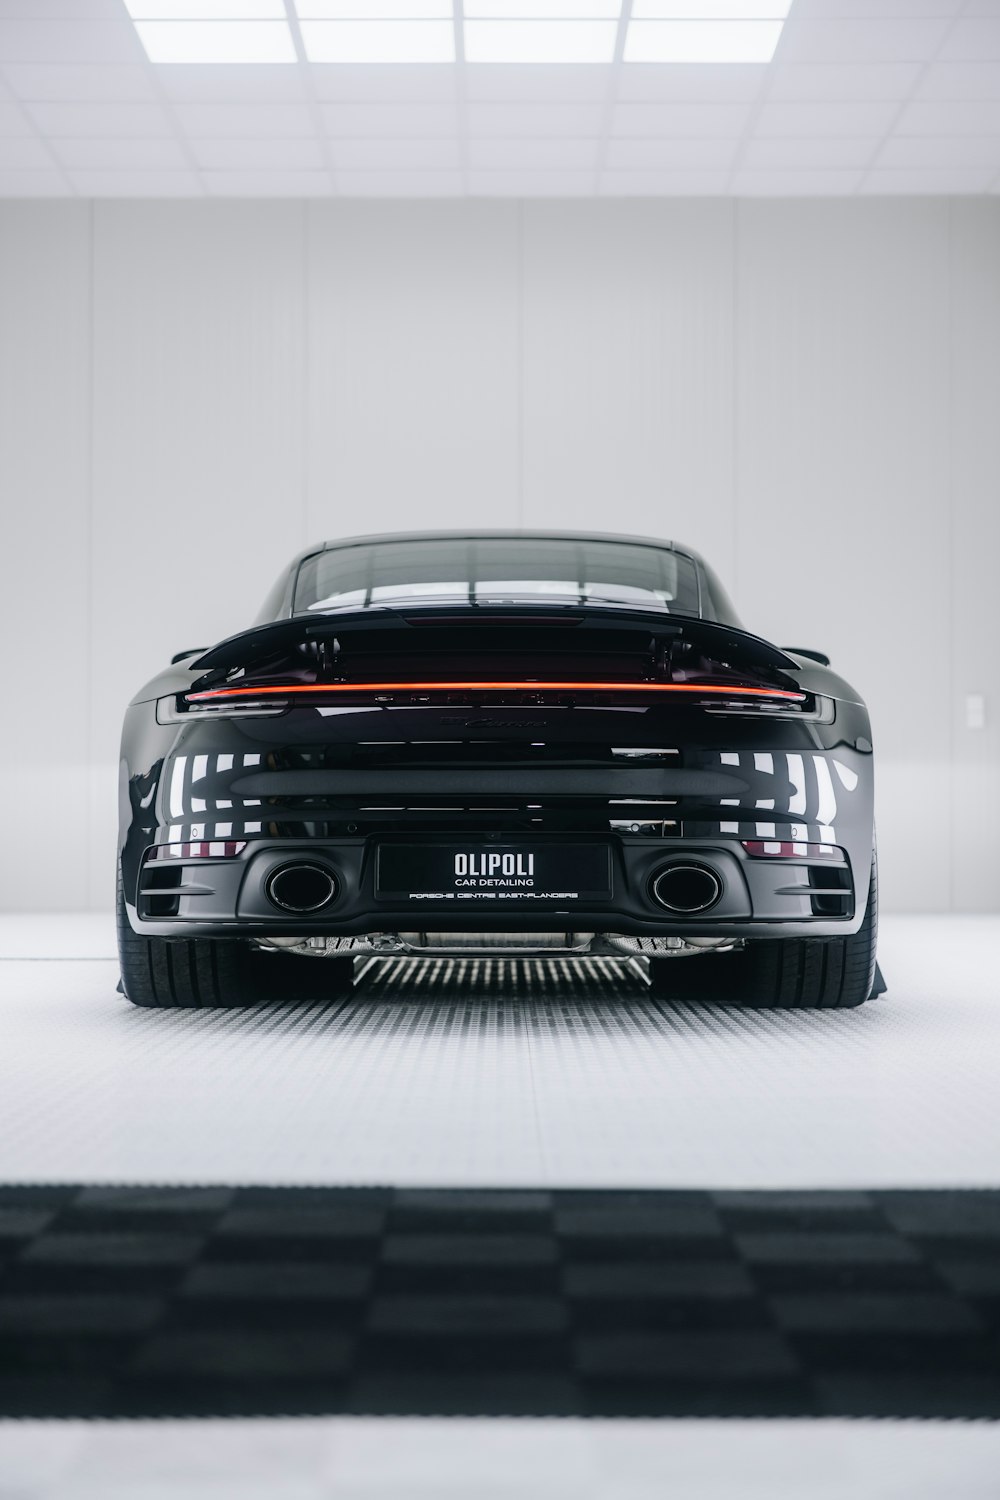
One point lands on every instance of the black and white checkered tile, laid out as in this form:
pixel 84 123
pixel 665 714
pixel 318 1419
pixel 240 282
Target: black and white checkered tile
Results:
pixel 200 1301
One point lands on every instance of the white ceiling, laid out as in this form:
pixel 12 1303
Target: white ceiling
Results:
pixel 862 97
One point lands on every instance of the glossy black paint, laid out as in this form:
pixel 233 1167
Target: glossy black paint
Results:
pixel 328 781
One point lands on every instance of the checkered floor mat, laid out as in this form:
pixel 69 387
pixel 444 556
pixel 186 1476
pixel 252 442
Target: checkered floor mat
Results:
pixel 199 1301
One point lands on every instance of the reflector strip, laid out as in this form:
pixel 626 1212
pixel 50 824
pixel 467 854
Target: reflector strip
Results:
pixel 528 687
pixel 786 849
pixel 200 849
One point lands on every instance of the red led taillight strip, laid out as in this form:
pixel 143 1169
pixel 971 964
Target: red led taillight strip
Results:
pixel 528 687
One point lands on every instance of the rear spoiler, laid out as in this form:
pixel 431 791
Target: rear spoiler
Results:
pixel 264 643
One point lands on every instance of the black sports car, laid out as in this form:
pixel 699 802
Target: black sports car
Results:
pixel 513 743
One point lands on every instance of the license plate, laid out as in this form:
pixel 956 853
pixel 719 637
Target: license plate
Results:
pixel 493 874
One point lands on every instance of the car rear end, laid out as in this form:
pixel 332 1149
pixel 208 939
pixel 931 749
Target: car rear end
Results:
pixel 431 776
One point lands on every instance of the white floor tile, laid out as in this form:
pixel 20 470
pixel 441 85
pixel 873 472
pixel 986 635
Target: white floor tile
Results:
pixel 559 1087
pixel 429 1459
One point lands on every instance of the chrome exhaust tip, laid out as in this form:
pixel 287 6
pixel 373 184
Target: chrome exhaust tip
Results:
pixel 686 888
pixel 300 887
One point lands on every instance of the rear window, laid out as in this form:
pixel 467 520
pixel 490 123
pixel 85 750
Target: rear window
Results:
pixel 483 570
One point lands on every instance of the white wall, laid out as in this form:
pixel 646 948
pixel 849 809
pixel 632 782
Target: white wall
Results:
pixel 807 391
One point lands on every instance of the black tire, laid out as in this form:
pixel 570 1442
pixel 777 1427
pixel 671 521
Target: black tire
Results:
pixel 198 973
pixel 835 973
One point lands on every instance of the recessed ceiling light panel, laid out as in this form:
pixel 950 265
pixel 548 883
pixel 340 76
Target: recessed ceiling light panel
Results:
pixel 206 10
pixel 379 41
pixel 495 31
pixel 217 41
pixel 543 10
pixel 374 10
pixel 701 41
pixel 710 10
pixel 540 41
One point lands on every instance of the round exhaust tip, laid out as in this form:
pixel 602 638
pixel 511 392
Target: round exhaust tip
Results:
pixel 301 887
pixel 686 888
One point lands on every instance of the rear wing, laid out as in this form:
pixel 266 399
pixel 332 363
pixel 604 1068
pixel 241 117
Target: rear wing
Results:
pixel 462 627
pixel 443 653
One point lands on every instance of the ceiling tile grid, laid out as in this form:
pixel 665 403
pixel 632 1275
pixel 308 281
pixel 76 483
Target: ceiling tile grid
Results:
pixel 861 97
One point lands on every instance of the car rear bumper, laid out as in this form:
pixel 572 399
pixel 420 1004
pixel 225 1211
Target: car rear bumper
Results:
pixel 774 896
pixel 781 813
